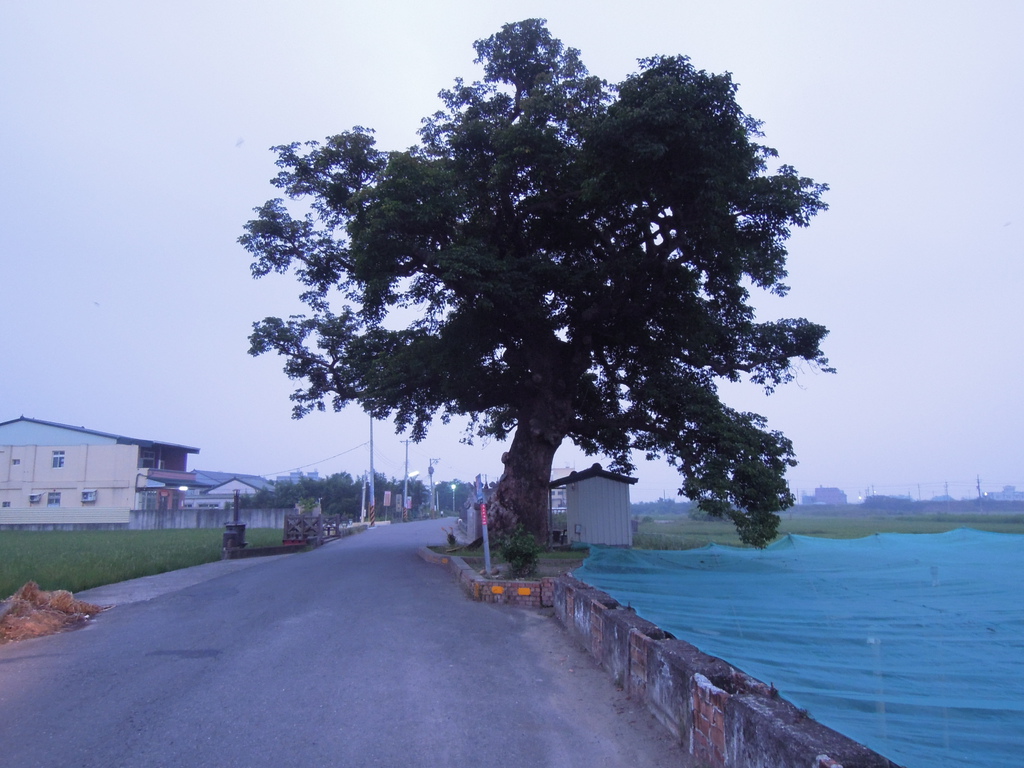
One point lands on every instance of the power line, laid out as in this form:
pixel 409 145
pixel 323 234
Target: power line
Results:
pixel 314 463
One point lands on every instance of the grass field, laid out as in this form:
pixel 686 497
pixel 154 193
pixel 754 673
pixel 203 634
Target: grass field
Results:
pixel 680 532
pixel 77 560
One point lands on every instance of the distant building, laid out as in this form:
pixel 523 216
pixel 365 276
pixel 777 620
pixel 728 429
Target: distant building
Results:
pixel 58 473
pixel 294 477
pixel 1009 493
pixel 824 496
pixel 218 491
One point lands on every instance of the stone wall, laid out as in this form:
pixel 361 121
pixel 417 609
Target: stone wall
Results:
pixel 721 716
pixel 523 592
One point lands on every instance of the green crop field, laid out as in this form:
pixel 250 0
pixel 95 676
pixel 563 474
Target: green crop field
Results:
pixel 77 560
pixel 681 532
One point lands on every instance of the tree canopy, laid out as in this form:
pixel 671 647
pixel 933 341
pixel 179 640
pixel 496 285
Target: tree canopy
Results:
pixel 341 494
pixel 557 258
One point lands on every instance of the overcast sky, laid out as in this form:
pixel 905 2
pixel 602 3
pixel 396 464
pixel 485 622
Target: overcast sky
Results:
pixel 136 141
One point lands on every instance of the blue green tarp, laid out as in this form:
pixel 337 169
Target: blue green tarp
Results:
pixel 912 644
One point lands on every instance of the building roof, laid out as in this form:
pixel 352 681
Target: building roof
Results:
pixel 587 474
pixel 119 439
pixel 170 478
pixel 215 479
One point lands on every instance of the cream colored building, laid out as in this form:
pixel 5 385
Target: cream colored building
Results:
pixel 57 473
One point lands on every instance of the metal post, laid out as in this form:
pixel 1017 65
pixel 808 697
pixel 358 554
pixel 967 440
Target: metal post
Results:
pixel 405 485
pixel 433 498
pixel 487 543
pixel 481 499
pixel 373 497
pixel 234 532
pixel 362 505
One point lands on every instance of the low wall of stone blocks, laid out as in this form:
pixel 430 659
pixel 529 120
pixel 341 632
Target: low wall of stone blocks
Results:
pixel 721 716
pixel 521 592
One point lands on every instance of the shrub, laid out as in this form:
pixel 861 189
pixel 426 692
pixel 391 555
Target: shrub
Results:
pixel 521 551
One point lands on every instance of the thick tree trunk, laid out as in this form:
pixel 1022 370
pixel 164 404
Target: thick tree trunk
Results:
pixel 523 493
pixel 544 415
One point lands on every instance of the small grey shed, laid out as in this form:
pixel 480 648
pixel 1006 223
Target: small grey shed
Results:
pixel 597 507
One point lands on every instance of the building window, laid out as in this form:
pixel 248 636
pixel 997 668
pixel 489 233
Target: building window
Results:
pixel 146 500
pixel 88 496
pixel 58 459
pixel 6 504
pixel 15 462
pixel 147 459
pixel 53 499
pixel 34 498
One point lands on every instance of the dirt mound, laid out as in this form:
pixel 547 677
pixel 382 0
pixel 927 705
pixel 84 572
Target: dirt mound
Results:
pixel 31 612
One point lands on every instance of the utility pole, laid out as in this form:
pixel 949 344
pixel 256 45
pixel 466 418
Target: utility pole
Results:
pixel 405 485
pixel 373 497
pixel 433 500
pixel 362 506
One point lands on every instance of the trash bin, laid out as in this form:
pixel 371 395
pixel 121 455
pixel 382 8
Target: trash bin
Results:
pixel 234 536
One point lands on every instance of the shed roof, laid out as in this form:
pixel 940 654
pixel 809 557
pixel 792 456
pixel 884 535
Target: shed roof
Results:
pixel 587 474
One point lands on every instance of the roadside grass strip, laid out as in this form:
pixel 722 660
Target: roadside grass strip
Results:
pixel 79 560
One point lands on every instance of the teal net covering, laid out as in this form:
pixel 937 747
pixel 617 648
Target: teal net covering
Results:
pixel 912 644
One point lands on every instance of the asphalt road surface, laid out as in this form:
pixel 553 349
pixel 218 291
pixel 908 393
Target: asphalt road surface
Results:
pixel 355 654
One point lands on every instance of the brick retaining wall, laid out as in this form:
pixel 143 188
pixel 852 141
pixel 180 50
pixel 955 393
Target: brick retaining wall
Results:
pixel 522 592
pixel 723 717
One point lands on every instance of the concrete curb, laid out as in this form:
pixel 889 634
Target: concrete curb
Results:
pixel 526 593
pixel 241 553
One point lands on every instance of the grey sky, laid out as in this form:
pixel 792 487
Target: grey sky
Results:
pixel 136 141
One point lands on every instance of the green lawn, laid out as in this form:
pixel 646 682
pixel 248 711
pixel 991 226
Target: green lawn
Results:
pixel 77 560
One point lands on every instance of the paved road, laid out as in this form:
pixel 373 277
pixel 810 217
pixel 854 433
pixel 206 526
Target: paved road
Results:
pixel 356 654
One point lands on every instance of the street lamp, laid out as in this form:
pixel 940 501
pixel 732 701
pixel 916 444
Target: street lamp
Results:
pixel 453 498
pixel 406 506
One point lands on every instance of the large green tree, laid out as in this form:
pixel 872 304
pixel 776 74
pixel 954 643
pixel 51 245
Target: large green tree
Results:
pixel 557 258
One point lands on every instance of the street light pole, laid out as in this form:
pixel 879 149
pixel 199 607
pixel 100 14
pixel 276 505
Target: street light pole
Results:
pixel 453 498
pixel 405 485
pixel 373 495
pixel 433 499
